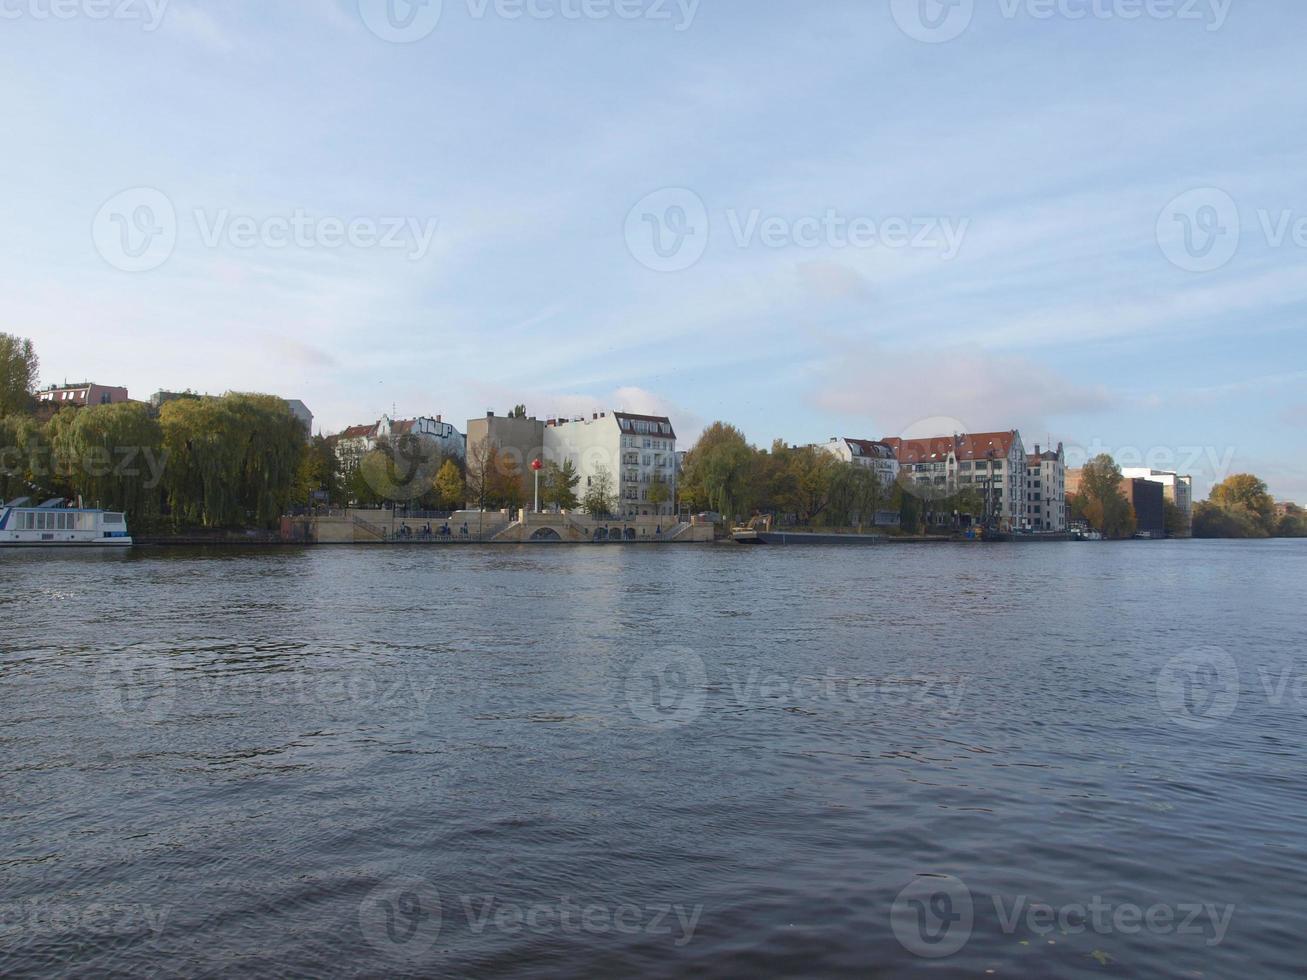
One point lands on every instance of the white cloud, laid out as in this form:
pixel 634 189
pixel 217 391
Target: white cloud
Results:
pixel 891 391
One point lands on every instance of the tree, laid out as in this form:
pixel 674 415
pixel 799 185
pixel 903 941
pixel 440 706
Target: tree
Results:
pixel 719 471
pixel 1101 502
pixel 23 456
pixel 112 456
pixel 319 473
pixel 19 370
pixel 659 490
pixel 482 465
pixel 1245 493
pixel 559 485
pixel 232 461
pixel 600 496
pixel 507 487
pixel 1293 523
pixel 450 488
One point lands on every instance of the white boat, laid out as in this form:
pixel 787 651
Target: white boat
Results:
pixel 54 525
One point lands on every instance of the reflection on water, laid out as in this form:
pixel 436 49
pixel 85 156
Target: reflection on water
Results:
pixel 1062 760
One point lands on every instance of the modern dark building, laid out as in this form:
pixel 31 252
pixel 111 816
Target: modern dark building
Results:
pixel 1146 498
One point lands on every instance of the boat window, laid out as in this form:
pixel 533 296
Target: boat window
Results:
pixel 112 518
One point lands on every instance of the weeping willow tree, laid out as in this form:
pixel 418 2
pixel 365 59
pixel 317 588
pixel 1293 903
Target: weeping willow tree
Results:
pixel 111 456
pixel 232 461
pixel 22 457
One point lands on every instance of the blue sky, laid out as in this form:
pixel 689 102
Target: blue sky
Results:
pixel 863 221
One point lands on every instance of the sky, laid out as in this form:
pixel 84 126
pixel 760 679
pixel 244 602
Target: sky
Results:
pixel 1084 219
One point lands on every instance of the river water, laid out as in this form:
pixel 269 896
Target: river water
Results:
pixel 1054 760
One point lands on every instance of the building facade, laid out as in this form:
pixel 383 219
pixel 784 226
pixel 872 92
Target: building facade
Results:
pixel 993 464
pixel 1046 491
pixel 1146 497
pixel 877 456
pixel 637 451
pixel 434 434
pixel 1179 490
pixel 81 395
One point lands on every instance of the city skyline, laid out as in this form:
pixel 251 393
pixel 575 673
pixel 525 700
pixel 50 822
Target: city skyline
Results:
pixel 871 228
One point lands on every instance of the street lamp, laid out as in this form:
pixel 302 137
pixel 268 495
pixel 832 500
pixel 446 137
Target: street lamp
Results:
pixel 537 466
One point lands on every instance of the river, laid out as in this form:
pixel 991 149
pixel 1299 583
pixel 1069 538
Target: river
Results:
pixel 1064 760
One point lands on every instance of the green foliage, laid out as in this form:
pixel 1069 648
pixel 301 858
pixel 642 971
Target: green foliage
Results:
pixel 23 457
pixel 1293 524
pixel 719 472
pixel 450 488
pixel 1211 520
pixel 19 370
pixel 319 472
pixel 1101 502
pixel 558 485
pixel 110 455
pixel 600 496
pixel 659 490
pixel 232 461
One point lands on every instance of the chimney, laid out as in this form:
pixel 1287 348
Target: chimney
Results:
pixel 439 419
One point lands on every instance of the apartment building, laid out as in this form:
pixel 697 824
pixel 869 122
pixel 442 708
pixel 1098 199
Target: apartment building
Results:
pixel 637 451
pixel 991 463
pixel 877 456
pixel 434 434
pixel 1046 491
pixel 81 395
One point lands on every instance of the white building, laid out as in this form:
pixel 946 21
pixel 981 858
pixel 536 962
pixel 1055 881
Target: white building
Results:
pixel 991 463
pixel 1046 491
pixel 637 451
pixel 1177 489
pixel 438 435
pixel 879 457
